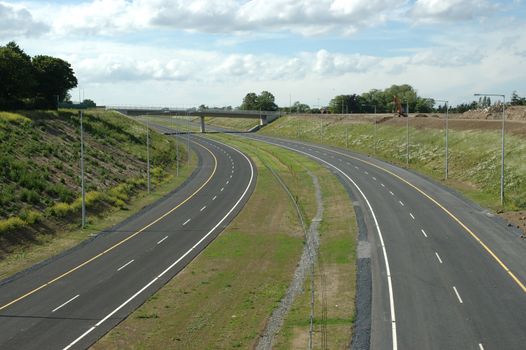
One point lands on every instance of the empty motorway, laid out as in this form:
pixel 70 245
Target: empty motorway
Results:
pixel 70 301
pixel 444 273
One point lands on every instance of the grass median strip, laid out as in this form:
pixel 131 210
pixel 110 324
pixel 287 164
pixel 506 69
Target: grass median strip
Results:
pixel 224 297
pixel 46 246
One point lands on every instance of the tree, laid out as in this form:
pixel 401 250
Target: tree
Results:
pixel 249 102
pixel 54 77
pixel 299 107
pixel 16 75
pixel 89 103
pixel 263 101
pixel 424 105
pixel 516 100
pixel 345 104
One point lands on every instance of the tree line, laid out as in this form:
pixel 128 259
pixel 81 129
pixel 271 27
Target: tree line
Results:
pixel 375 100
pixel 33 82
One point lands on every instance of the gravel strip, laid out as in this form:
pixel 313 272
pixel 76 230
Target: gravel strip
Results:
pixel 308 257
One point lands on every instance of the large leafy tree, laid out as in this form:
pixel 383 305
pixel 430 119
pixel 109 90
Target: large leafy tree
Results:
pixel 249 102
pixel 16 75
pixel 54 77
pixel 263 101
pixel 345 104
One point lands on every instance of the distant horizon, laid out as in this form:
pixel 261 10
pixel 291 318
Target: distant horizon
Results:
pixel 188 53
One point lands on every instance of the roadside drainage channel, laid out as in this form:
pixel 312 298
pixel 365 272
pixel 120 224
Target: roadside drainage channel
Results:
pixel 305 265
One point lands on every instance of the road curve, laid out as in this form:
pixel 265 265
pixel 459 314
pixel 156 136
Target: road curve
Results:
pixel 446 274
pixel 73 299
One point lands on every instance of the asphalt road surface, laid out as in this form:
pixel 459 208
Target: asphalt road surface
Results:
pixel 446 274
pixel 73 299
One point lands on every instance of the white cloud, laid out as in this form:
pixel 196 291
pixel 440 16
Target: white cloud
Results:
pixel 430 11
pixel 18 22
pixel 305 17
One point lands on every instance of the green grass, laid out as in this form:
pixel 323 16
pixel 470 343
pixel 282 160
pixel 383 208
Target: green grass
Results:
pixel 46 245
pixel 334 278
pixel 39 174
pixel 223 298
pixel 474 155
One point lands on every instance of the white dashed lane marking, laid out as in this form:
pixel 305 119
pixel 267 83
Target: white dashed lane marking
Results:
pixel 187 221
pixel 128 263
pixel 162 240
pixel 438 257
pixel 66 303
pixel 424 233
pixel 458 295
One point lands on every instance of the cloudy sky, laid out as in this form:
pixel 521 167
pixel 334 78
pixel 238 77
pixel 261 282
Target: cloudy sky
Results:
pixel 186 53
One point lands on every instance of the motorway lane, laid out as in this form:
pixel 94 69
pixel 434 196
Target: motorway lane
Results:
pixel 448 291
pixel 457 272
pixel 86 302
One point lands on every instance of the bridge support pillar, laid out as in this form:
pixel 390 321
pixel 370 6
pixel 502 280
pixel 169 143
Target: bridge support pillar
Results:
pixel 202 124
pixel 263 120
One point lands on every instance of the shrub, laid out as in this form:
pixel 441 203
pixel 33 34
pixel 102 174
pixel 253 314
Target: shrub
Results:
pixel 29 196
pixel 11 224
pixel 30 216
pixel 61 210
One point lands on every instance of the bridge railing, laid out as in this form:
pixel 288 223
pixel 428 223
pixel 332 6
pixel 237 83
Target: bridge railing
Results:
pixel 194 110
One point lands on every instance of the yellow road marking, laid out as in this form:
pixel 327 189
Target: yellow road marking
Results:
pixel 493 255
pixel 119 243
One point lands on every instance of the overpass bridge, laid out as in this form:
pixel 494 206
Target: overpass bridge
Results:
pixel 264 117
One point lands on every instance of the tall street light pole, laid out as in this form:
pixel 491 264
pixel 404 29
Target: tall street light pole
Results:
pixel 446 170
pixel 83 195
pixel 407 133
pixel 375 127
pixel 502 143
pixel 148 150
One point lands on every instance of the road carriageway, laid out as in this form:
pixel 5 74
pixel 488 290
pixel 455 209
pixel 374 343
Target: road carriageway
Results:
pixel 444 273
pixel 72 300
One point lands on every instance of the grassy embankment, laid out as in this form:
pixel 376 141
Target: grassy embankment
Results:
pixel 39 179
pixel 474 155
pixel 223 298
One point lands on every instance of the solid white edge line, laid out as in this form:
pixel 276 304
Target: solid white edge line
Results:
pixel 128 263
pixel 424 233
pixel 66 303
pixel 387 268
pixel 458 295
pixel 178 260
pixel 162 240
pixel 438 257
pixel 187 221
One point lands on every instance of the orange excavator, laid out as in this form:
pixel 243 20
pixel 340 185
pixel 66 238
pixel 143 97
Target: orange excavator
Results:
pixel 399 110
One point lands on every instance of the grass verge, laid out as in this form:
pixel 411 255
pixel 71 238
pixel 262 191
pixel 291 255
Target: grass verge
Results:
pixel 224 297
pixel 44 245
pixel 474 154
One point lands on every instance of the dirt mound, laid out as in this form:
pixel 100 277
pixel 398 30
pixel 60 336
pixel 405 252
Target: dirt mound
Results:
pixel 495 113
